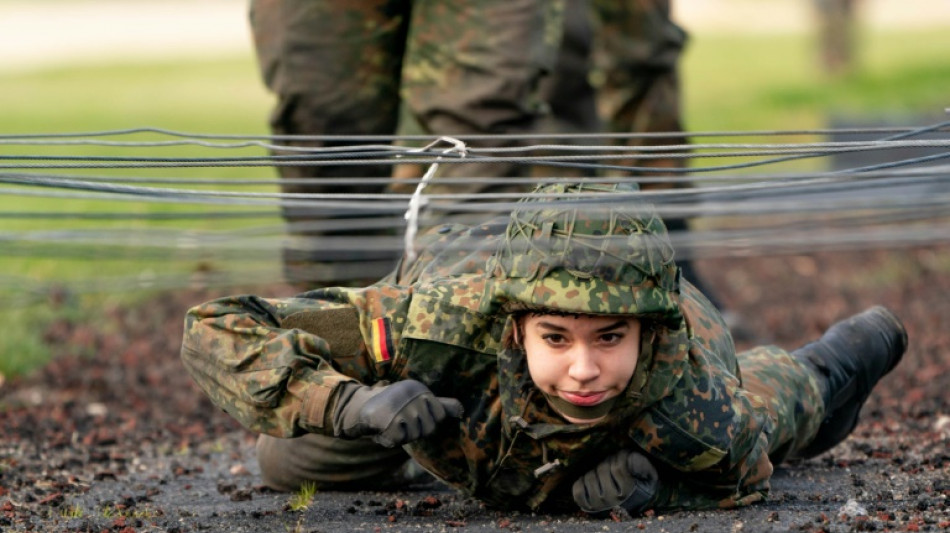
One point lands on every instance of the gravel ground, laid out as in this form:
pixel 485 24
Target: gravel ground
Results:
pixel 112 436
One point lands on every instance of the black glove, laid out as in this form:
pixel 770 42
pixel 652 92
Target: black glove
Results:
pixel 393 414
pixel 627 479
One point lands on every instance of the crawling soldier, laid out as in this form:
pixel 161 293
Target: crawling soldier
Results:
pixel 551 360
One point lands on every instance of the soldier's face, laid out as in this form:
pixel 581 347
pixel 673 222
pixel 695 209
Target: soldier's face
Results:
pixel 584 359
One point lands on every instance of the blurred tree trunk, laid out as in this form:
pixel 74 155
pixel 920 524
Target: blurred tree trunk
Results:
pixel 836 34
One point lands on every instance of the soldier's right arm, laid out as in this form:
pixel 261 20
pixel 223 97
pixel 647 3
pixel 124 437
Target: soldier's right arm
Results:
pixel 254 360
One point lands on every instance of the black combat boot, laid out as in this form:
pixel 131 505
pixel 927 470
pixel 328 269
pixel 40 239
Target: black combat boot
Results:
pixel 849 359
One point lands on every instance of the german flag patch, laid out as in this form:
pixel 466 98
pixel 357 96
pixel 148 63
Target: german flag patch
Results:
pixel 382 340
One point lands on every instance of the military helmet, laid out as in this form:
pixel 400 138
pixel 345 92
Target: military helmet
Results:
pixel 586 248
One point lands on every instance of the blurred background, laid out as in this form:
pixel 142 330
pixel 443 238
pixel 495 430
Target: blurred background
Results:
pixel 110 63
pixel 78 66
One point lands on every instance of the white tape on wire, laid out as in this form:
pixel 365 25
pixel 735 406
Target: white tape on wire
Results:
pixel 417 201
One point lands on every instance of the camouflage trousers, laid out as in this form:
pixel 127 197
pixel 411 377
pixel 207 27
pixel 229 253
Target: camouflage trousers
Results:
pixel 782 386
pixel 620 59
pixel 344 67
pixel 618 72
pixel 487 67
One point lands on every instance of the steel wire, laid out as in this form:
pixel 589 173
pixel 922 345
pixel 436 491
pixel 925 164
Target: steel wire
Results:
pixel 745 207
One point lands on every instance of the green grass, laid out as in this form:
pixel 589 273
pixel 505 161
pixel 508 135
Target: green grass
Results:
pixel 755 82
pixel 222 96
pixel 20 344
pixel 731 82
pixel 302 499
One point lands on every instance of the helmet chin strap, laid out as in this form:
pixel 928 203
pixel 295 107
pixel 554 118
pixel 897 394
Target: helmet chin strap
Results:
pixel 578 411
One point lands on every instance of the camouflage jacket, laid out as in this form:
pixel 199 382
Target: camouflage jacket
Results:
pixel 274 364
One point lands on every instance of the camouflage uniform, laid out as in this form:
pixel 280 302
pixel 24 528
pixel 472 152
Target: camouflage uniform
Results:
pixel 709 419
pixel 617 72
pixel 636 76
pixel 342 68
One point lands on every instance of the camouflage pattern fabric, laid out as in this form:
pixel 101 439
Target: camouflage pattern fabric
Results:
pixel 343 68
pixel 635 73
pixel 708 419
pixel 499 66
pixel 616 71
pixel 334 68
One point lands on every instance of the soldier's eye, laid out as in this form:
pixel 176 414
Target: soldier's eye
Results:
pixel 554 338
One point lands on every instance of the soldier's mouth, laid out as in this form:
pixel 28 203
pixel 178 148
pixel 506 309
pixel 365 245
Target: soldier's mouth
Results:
pixel 583 399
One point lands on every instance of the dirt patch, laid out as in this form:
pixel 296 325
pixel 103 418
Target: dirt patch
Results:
pixel 113 436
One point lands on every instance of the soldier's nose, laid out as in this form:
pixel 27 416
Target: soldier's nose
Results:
pixel 583 367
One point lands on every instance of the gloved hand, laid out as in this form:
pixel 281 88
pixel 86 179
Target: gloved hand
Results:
pixel 626 479
pixel 393 414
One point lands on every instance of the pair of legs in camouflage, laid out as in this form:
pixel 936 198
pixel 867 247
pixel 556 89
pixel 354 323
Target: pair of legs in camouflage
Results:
pixel 344 68
pixel 487 67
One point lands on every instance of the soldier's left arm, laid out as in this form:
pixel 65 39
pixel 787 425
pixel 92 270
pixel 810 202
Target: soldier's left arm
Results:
pixel 713 446
pixel 717 432
pixel 739 479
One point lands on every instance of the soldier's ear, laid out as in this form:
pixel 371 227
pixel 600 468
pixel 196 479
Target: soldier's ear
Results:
pixel 514 336
pixel 519 331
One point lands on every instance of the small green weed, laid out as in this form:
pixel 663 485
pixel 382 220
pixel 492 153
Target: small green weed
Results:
pixel 303 497
pixel 110 511
pixel 73 511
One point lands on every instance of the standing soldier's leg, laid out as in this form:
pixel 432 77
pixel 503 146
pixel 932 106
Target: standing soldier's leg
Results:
pixel 636 55
pixel 570 97
pixel 815 393
pixel 566 92
pixel 637 52
pixel 474 68
pixel 335 69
